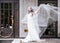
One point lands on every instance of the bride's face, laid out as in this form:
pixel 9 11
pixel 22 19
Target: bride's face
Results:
pixel 30 9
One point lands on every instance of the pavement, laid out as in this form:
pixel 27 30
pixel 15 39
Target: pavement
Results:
pixel 46 41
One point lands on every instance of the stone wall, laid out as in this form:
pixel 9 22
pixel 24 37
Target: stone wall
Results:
pixel 24 4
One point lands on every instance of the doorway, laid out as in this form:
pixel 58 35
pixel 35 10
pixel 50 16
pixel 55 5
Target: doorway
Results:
pixel 51 31
pixel 9 25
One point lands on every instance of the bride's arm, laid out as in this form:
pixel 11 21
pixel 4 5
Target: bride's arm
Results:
pixel 37 9
pixel 40 6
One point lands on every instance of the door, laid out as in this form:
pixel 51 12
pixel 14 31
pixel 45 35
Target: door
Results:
pixel 51 31
pixel 6 20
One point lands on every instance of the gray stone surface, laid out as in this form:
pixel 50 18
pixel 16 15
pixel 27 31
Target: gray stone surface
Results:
pixel 47 41
pixel 6 41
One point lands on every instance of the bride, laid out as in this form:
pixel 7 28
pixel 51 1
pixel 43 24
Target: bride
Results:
pixel 37 22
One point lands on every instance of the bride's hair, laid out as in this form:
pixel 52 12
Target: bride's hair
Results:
pixel 30 9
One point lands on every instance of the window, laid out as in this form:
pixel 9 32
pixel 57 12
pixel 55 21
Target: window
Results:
pixel 6 13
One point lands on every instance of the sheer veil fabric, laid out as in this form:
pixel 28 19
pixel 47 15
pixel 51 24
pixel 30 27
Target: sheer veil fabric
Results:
pixel 43 16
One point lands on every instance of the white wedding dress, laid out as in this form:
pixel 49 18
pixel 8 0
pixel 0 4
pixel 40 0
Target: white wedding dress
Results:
pixel 32 28
pixel 33 23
